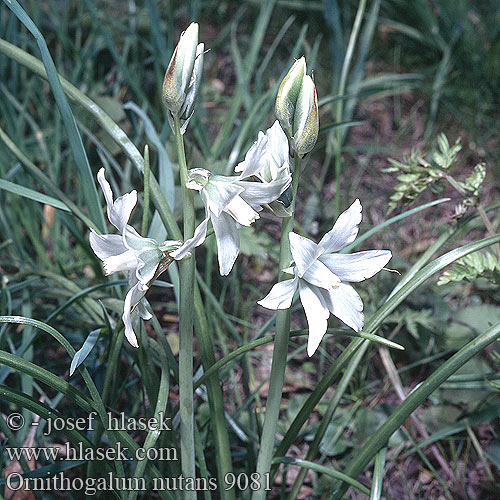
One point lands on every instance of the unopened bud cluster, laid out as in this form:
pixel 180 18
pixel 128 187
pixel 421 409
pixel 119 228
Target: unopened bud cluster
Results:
pixel 296 108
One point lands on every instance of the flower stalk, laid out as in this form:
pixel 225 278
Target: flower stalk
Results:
pixel 145 212
pixel 186 308
pixel 280 350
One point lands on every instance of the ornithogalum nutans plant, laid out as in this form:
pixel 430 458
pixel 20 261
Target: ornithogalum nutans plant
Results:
pixel 267 178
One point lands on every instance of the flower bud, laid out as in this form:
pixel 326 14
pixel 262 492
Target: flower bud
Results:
pixel 288 93
pixel 306 119
pixel 180 70
pixel 187 110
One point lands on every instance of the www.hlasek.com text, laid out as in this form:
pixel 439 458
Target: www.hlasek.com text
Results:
pixel 81 452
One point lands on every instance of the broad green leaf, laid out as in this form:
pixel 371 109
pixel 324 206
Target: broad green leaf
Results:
pixel 468 322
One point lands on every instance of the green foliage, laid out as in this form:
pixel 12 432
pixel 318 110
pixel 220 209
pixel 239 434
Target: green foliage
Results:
pixel 474 182
pixel 420 171
pixel 473 266
pixel 412 319
pixel 468 322
pixel 416 173
pixel 456 44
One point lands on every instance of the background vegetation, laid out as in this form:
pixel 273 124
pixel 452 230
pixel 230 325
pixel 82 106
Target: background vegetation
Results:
pixel 391 76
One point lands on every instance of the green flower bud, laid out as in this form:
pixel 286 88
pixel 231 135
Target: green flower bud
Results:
pixel 306 118
pixel 288 93
pixel 180 70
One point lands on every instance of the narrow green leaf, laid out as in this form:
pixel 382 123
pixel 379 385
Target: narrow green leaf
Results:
pixel 323 470
pixel 31 194
pixel 390 221
pixel 378 475
pixel 82 353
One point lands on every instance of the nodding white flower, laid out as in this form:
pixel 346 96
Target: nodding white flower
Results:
pixel 323 276
pixel 230 203
pixel 143 258
pixel 268 161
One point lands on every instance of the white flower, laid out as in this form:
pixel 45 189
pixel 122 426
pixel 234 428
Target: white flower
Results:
pixel 268 161
pixel 322 277
pixel 129 251
pixel 230 203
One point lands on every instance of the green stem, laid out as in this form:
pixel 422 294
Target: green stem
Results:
pixel 114 352
pixel 145 212
pixel 215 399
pixel 186 309
pixel 280 352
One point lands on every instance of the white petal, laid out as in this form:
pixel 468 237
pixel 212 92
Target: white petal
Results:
pixel 198 238
pixel 345 303
pixel 133 297
pixel 281 295
pixel 118 211
pixel 318 274
pixel 228 241
pixel 317 315
pixel 106 188
pixel 264 192
pixel 356 266
pixel 253 159
pixel 143 309
pixel 126 261
pixel 197 178
pixel 106 245
pixel 219 192
pixel 277 143
pixel 147 252
pixel 134 241
pixel 344 231
pixel 147 264
pixel 304 252
pixel 241 211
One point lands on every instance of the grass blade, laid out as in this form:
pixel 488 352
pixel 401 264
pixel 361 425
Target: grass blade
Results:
pixel 25 192
pixel 74 137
